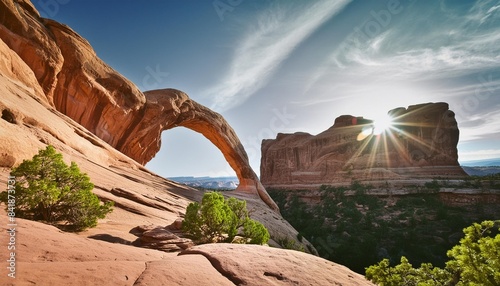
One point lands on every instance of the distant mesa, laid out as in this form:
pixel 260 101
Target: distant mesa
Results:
pixel 419 142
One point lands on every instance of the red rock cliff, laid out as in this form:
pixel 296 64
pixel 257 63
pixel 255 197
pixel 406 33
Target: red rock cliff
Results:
pixel 422 143
pixel 73 80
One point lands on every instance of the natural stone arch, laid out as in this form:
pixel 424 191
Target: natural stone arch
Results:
pixel 170 108
pixel 78 84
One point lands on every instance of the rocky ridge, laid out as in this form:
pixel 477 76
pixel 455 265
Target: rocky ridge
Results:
pixel 421 144
pixel 35 75
pixel 74 81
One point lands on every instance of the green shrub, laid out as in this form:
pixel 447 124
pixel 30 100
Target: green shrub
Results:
pixel 475 261
pixel 255 231
pixel 49 190
pixel 288 243
pixel 219 220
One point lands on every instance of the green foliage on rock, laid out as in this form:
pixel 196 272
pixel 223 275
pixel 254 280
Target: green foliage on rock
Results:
pixel 256 231
pixel 49 190
pixel 288 243
pixel 358 229
pixel 475 261
pixel 218 219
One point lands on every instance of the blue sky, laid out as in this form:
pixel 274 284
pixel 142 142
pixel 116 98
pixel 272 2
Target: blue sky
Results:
pixel 286 66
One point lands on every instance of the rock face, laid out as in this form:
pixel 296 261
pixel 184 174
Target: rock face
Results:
pixel 284 268
pixel 47 256
pixel 166 239
pixel 74 81
pixel 30 74
pixel 422 143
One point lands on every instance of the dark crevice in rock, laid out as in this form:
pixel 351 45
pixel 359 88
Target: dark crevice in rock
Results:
pixel 278 276
pixel 8 116
pixel 141 199
pixel 137 281
pixel 217 265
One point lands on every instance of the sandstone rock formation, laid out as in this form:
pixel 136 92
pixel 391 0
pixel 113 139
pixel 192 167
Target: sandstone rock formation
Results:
pixel 31 118
pixel 283 268
pixel 47 256
pixel 74 81
pixel 422 143
pixel 168 239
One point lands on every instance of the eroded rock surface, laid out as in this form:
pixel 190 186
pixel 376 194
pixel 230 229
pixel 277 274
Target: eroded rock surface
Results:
pixel 168 239
pixel 74 81
pixel 272 266
pixel 422 143
pixel 32 68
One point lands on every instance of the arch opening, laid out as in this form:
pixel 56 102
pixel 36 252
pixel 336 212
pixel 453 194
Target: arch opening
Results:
pixel 186 156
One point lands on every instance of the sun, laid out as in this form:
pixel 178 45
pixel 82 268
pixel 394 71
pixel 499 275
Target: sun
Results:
pixel 381 124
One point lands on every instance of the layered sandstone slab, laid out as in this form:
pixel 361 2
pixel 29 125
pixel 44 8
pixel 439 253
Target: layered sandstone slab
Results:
pixel 47 256
pixel 274 266
pixel 422 143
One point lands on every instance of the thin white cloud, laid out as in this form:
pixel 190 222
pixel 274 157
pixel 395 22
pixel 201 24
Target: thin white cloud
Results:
pixel 479 155
pixel 277 33
pixel 456 46
pixel 313 101
pixel 483 11
pixel 489 124
pixel 424 63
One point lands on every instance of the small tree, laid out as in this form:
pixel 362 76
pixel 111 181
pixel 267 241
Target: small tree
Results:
pixel 475 261
pixel 219 220
pixel 256 231
pixel 49 190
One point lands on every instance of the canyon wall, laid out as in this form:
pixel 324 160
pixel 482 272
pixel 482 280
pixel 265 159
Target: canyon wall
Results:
pixel 421 143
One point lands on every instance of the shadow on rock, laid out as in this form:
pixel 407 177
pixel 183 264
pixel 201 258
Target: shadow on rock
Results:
pixel 109 238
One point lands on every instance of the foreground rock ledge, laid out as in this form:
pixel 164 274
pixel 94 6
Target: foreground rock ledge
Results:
pixel 47 256
pixel 273 266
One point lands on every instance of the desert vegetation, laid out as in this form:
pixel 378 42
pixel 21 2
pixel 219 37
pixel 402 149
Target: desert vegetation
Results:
pixel 217 219
pixel 48 190
pixel 474 261
pixel 351 227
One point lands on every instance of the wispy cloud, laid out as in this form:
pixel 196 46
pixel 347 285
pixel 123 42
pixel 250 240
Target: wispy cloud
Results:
pixel 479 155
pixel 417 59
pixel 468 55
pixel 484 11
pixel 480 126
pixel 277 33
pixel 461 44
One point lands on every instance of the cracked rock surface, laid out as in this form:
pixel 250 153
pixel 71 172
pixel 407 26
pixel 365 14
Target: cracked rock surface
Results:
pixel 48 256
pixel 245 264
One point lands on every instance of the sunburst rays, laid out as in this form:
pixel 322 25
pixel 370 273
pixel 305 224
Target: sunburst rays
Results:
pixel 388 134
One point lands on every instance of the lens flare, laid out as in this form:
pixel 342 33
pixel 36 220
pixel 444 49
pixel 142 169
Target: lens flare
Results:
pixel 381 124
